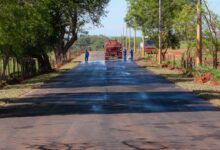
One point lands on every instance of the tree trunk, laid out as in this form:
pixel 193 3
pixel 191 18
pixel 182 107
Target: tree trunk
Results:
pixel 69 43
pixel 62 48
pixel 164 54
pixel 5 63
pixel 134 40
pixel 44 63
pixel 215 57
pixel 199 35
pixel 58 50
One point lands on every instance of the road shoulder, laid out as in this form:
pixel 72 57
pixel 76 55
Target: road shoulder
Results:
pixel 206 91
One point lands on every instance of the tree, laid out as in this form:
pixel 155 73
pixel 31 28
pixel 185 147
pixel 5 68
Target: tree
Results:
pixel 24 30
pixel 69 17
pixel 32 28
pixel 130 19
pixel 144 14
pixel 88 41
pixel 213 24
pixel 199 34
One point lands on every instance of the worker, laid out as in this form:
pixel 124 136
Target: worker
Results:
pixel 124 54
pixel 86 56
pixel 131 54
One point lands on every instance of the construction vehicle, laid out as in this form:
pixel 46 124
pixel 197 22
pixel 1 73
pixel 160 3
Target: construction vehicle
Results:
pixel 113 49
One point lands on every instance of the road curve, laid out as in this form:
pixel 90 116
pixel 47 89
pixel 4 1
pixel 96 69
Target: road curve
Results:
pixel 109 105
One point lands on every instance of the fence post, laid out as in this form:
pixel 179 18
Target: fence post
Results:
pixel 18 68
pixel 9 68
pixel 174 63
pixel 1 63
pixel 13 67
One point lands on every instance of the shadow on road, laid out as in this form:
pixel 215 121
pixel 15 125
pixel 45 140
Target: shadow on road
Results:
pixel 105 103
pixel 112 87
pixel 63 146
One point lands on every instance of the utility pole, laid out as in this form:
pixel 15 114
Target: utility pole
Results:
pixel 160 38
pixel 129 46
pixel 126 34
pixel 123 37
pixel 121 40
pixel 134 39
pixel 199 35
pixel 143 40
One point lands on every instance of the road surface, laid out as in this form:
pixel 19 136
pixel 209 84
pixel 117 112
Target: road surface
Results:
pixel 112 105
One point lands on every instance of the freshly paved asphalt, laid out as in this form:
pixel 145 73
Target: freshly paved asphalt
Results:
pixel 109 105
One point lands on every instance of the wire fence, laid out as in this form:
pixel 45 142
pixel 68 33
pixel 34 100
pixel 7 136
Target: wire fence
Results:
pixel 11 68
pixel 178 59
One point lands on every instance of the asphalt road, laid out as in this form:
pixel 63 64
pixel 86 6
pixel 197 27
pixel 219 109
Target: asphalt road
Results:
pixel 111 105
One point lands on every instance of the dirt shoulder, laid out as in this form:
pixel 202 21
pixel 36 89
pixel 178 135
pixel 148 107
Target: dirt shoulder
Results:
pixel 205 91
pixel 10 92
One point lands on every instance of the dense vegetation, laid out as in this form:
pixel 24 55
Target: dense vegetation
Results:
pixel 178 24
pixel 32 28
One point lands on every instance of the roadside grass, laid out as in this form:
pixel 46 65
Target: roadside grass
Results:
pixel 11 92
pixel 205 91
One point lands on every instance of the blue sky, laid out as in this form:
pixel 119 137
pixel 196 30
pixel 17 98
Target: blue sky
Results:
pixel 114 21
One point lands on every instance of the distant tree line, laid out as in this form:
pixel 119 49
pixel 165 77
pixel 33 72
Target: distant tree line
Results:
pixel 93 42
pixel 32 28
pixel 96 42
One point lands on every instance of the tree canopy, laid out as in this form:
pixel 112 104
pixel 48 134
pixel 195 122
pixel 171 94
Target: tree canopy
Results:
pixel 143 14
pixel 33 27
pixel 93 42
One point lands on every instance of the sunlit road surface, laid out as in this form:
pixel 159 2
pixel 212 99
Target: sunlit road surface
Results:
pixel 111 105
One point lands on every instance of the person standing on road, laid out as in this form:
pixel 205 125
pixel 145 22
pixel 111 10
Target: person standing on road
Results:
pixel 86 56
pixel 131 54
pixel 124 54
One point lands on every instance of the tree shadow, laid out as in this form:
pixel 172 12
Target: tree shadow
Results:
pixel 105 103
pixel 66 101
pixel 144 144
pixel 106 78
pixel 208 94
pixel 61 146
pixel 149 66
pixel 178 77
pixel 43 78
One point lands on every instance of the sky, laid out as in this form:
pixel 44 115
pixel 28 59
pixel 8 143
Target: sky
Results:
pixel 112 24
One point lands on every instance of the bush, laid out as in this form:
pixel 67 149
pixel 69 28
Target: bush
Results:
pixel 216 74
pixel 168 62
pixel 204 69
pixel 178 64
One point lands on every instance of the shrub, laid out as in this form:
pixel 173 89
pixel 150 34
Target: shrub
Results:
pixel 204 69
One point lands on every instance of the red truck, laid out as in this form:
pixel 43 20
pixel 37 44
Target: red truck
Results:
pixel 149 47
pixel 113 49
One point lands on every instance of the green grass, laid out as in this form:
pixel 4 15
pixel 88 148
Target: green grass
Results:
pixel 215 73
pixel 206 91
pixel 183 45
